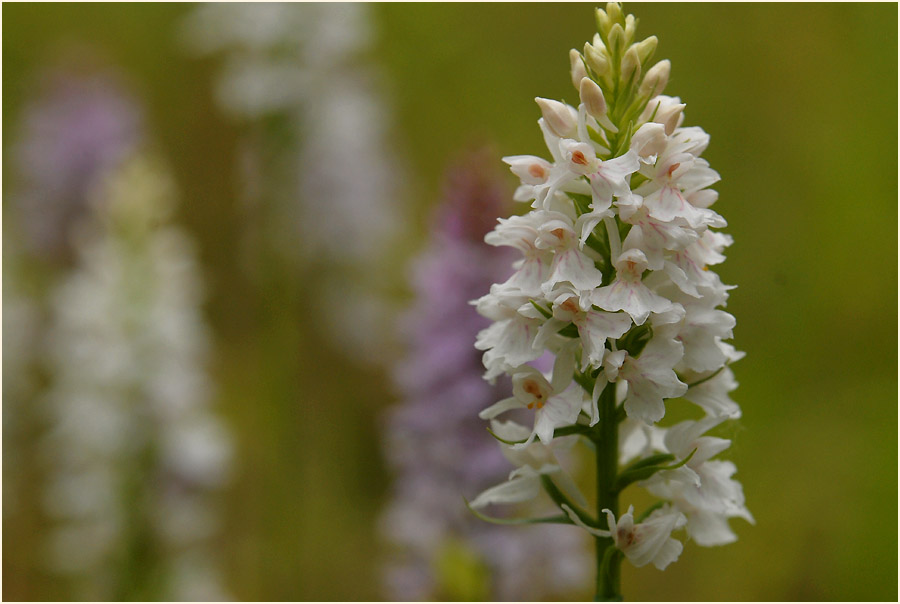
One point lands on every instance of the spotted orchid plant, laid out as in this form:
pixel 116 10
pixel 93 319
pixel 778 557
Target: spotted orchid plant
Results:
pixel 614 280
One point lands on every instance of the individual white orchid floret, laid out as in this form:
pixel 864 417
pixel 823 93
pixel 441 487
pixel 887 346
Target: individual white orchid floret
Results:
pixel 524 484
pixel 611 178
pixel 655 237
pixel 709 505
pixel 692 264
pixel 686 441
pixel 670 201
pixel 538 455
pixel 627 292
pixel 701 331
pixel 509 341
pixel 532 171
pixel 521 233
pixel 570 263
pixel 645 543
pixel 595 327
pixel 555 404
pixel 651 379
pixel 710 392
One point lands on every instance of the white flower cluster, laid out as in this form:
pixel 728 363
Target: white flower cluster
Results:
pixel 133 448
pixel 615 280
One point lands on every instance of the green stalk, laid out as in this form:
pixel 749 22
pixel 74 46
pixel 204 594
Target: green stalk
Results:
pixel 606 439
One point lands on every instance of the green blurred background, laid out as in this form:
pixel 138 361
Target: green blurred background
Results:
pixel 800 101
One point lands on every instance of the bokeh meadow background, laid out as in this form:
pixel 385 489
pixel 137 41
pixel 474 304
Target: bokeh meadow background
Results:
pixel 800 102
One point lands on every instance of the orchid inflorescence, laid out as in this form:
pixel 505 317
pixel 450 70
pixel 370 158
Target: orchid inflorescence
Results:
pixel 615 282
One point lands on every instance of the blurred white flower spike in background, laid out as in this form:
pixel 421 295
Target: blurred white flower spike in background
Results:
pixel 324 184
pixel 134 451
pixel 615 280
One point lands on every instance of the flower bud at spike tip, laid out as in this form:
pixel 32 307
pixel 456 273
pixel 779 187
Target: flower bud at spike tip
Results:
pixel 646 48
pixel 616 39
pixel 630 27
pixel 558 117
pixel 592 97
pixel 577 67
pixel 603 21
pixel 614 10
pixel 596 60
pixel 631 65
pixel 656 79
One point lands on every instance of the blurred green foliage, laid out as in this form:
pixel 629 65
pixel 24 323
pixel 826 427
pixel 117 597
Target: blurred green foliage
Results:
pixel 800 102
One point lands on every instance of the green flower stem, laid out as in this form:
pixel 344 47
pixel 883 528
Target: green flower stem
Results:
pixel 606 439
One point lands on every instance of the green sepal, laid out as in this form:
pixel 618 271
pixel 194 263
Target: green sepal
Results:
pixel 560 499
pixel 655 109
pixel 582 202
pixel 707 378
pixel 597 137
pixel 570 331
pixel 561 519
pixel 637 179
pixel 646 468
pixel 653 460
pixel 635 340
pixel 585 381
pixel 624 140
pixel 604 570
pixel 541 309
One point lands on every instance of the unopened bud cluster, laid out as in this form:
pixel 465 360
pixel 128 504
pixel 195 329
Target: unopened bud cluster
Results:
pixel 615 280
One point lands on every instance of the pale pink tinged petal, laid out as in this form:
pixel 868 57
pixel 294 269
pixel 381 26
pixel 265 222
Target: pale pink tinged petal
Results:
pixel 703 354
pixel 502 406
pixel 586 223
pixel 693 140
pixel 575 267
pixel 712 395
pixel 687 436
pixel 509 430
pixel 550 328
pixel 522 488
pixel 530 169
pixel 699 176
pixel 644 404
pixel 594 410
pixel 628 203
pixel 564 367
pixel 578 522
pixel 668 204
pixel 709 529
pixel 668 553
pixel 524 193
pixel 596 327
pixel 652 540
pixel 702 199
pixel 531 273
pixel 680 278
pixel 560 410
